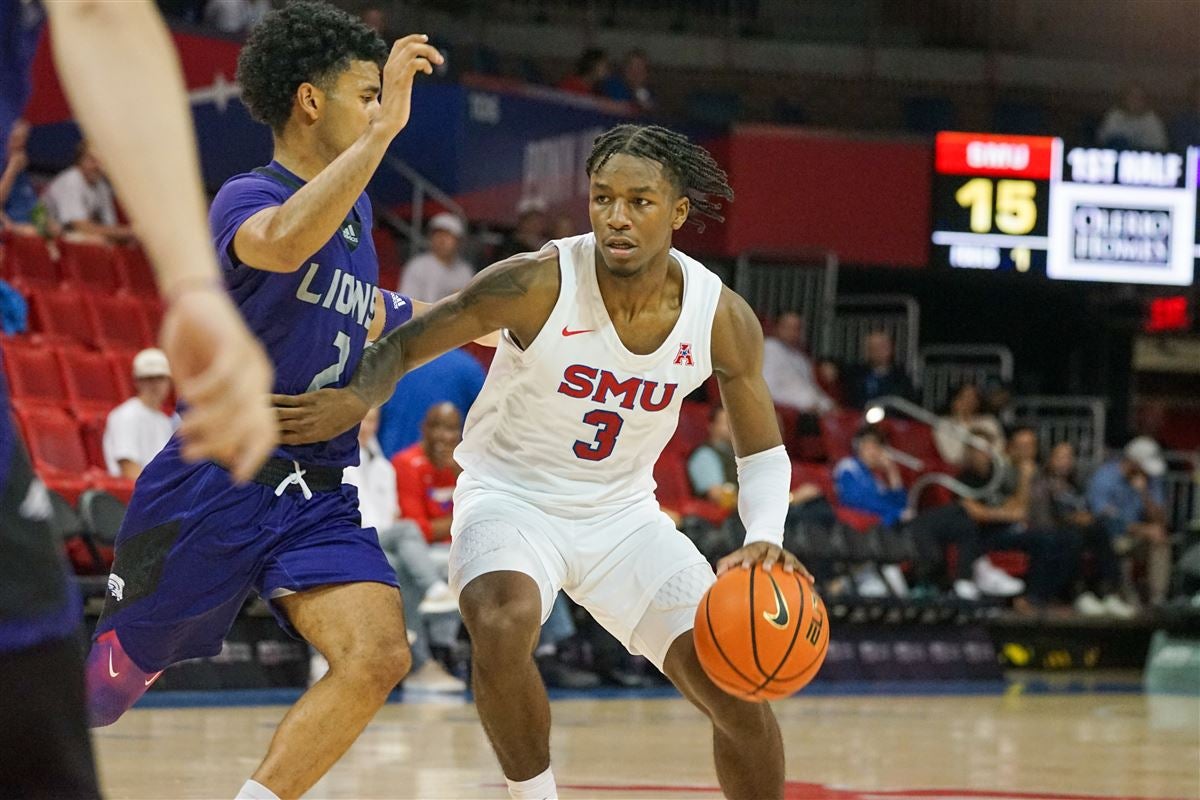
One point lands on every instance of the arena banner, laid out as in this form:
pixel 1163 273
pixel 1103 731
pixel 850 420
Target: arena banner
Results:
pixel 867 199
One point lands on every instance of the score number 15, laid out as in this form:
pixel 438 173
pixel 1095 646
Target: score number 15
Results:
pixel 1010 204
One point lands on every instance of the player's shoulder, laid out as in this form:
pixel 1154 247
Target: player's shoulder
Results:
pixel 411 457
pixel 734 316
pixel 528 273
pixel 251 183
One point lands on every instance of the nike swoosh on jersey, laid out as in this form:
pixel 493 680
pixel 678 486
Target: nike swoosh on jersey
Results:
pixel 780 618
pixel 576 333
pixel 111 672
pixel 153 678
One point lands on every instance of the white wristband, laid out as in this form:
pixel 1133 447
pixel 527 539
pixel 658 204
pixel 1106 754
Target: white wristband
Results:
pixel 763 483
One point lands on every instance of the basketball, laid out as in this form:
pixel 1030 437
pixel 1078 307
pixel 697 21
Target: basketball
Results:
pixel 761 635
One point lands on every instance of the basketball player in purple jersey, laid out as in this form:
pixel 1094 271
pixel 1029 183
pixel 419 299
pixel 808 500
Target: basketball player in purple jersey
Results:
pixel 293 240
pixel 120 71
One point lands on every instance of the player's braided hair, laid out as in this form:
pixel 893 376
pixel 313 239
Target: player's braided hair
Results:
pixel 303 42
pixel 690 167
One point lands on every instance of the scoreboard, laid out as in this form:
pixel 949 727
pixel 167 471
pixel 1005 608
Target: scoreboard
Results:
pixel 1032 204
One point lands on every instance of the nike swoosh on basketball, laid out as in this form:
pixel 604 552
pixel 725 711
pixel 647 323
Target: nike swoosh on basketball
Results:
pixel 576 333
pixel 111 672
pixel 780 618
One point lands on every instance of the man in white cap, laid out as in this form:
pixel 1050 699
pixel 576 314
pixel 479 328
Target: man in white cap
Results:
pixel 1126 494
pixel 138 429
pixel 441 271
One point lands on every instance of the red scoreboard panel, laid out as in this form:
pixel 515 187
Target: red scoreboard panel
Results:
pixel 1029 204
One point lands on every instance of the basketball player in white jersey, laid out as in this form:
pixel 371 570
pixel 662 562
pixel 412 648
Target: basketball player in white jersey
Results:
pixel 603 336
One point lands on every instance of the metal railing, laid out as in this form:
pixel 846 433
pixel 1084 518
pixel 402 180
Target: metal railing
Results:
pixel 803 282
pixel 858 315
pixel 1182 487
pixel 423 188
pixel 877 411
pixel 941 368
pixel 1075 419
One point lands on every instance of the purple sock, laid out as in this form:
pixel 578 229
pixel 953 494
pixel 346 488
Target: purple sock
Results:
pixel 114 682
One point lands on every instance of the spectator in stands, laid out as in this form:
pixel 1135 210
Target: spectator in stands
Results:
pixel 235 16
pixel 631 86
pixel 1185 128
pixel 21 211
pixel 712 470
pixel 426 595
pixel 592 69
pixel 1132 123
pixel 138 429
pixel 829 378
pixel 441 271
pixel 997 400
pixel 879 376
pixel 1002 512
pixel 870 481
pixel 376 18
pixel 1127 495
pixel 1056 502
pixel 532 231
pixel 81 200
pixel 455 377
pixel 788 371
pixel 426 474
pixel 965 412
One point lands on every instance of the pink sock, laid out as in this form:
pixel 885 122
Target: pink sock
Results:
pixel 114 682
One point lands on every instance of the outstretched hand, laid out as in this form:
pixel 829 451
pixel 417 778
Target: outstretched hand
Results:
pixel 317 416
pixel 763 553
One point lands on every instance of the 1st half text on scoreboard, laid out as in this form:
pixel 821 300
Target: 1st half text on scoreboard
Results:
pixel 1031 204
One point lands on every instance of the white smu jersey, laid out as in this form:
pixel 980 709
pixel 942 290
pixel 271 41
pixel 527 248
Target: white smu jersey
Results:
pixel 576 420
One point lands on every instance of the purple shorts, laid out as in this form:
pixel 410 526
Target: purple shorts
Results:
pixel 193 546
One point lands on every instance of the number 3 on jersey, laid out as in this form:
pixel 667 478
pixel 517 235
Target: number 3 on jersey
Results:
pixel 608 427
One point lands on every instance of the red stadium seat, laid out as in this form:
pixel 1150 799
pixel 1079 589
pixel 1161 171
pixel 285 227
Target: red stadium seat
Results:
pixel 34 376
pixel 62 316
pixel 120 323
pixel 675 490
pixel 92 265
pixel 817 474
pixel 152 312
pixel 137 275
pixel 122 367
pixel 27 262
pixel 837 432
pixel 90 382
pixel 55 445
pixel 91 426
pixel 692 430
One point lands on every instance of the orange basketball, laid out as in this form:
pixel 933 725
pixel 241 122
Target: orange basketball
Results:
pixel 761 635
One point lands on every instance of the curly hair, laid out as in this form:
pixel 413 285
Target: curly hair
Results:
pixel 690 167
pixel 303 42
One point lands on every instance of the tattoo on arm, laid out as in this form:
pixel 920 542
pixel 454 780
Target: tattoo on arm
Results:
pixel 483 306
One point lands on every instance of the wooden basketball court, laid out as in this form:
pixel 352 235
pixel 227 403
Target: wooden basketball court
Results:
pixel 997 746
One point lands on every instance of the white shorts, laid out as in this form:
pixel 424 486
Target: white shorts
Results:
pixel 629 567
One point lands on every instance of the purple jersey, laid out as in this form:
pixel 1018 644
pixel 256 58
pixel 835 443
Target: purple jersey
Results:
pixel 313 322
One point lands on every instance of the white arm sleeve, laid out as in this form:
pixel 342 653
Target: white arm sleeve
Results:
pixel 763 482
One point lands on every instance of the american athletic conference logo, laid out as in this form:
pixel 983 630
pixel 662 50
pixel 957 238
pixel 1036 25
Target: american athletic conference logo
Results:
pixel 684 356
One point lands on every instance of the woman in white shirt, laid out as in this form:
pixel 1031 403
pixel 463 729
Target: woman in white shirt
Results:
pixel 964 416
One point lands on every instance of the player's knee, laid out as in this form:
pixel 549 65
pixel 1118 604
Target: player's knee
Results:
pixel 501 631
pixel 379 665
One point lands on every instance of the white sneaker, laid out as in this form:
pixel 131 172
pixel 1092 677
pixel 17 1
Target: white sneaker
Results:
pixel 869 584
pixel 1089 605
pixel 994 581
pixel 894 577
pixel 965 590
pixel 432 677
pixel 440 599
pixel 1118 608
